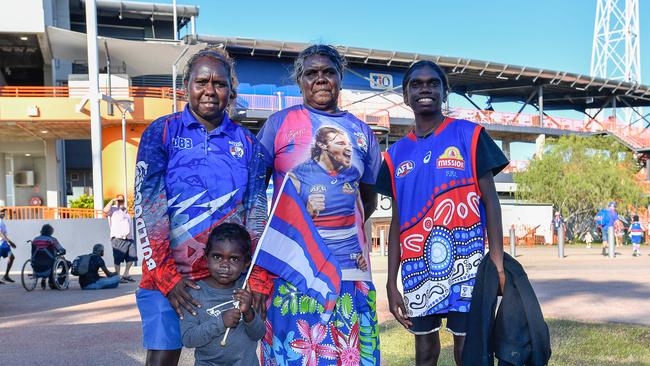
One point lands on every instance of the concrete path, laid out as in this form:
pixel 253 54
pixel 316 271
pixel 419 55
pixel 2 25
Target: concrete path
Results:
pixel 103 327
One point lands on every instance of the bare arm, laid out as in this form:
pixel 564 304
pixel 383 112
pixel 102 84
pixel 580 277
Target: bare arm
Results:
pixel 369 199
pixel 108 206
pixel 492 206
pixel 395 300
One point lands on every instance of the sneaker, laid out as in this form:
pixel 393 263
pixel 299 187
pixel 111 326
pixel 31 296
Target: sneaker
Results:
pixel 123 280
pixel 604 251
pixel 2 283
pixel 43 283
pixel 6 278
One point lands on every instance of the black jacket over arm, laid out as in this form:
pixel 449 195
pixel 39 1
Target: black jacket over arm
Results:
pixel 518 334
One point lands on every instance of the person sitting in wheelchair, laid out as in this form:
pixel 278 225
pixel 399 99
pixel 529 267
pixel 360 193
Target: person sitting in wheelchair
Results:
pixel 45 248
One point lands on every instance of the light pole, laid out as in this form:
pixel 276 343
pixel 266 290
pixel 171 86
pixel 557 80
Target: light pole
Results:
pixel 125 106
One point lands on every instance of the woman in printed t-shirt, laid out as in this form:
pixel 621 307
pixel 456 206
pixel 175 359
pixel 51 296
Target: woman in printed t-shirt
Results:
pixel 333 158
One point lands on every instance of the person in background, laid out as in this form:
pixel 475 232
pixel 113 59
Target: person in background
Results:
pixel 5 246
pixel 556 224
pixel 605 219
pixel 49 243
pixel 91 280
pixel 588 239
pixel 636 235
pixel 121 227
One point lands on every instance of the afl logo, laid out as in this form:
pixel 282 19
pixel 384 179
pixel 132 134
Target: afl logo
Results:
pixel 404 168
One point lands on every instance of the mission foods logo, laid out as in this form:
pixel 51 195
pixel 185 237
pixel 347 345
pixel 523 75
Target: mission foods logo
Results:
pixel 451 158
pixel 404 168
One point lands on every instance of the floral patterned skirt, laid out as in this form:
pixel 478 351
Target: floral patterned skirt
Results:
pixel 295 336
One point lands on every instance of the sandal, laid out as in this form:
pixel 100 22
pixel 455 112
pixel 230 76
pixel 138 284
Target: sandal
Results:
pixel 128 278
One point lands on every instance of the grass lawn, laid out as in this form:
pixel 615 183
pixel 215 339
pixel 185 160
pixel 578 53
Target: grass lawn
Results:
pixel 573 343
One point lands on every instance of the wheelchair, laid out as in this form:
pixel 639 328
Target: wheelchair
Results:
pixel 46 265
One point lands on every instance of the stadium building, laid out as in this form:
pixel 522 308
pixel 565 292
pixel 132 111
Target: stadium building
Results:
pixel 45 150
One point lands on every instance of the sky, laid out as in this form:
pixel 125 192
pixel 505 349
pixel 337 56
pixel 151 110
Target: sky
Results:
pixel 550 34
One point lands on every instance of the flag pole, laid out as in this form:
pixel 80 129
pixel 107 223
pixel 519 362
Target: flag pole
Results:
pixel 257 250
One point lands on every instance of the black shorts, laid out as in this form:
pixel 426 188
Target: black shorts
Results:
pixel 123 251
pixel 456 323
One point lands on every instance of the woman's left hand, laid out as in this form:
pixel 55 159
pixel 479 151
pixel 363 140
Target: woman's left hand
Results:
pixel 361 263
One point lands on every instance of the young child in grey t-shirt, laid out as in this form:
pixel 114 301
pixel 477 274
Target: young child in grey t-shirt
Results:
pixel 228 257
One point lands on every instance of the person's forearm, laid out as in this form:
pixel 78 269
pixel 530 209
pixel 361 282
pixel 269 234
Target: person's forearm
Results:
pixel 393 250
pixel 369 200
pixel 108 206
pixel 495 235
pixel 490 201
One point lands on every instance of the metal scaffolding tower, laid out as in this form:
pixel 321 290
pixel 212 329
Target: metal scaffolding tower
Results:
pixel 616 53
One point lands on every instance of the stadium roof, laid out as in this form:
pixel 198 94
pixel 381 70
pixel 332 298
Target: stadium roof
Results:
pixel 502 82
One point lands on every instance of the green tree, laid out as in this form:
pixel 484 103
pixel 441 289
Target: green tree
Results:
pixel 580 175
pixel 84 201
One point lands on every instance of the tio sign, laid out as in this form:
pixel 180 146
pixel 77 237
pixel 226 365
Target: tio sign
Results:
pixel 381 81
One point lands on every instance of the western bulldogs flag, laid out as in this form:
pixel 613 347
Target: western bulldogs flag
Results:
pixel 292 249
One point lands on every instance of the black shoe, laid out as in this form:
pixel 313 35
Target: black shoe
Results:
pixel 128 278
pixel 2 283
pixel 43 284
pixel 6 278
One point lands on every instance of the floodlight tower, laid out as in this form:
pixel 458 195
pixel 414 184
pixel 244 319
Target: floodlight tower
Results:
pixel 616 53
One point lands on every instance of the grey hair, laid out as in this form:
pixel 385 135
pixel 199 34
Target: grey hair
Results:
pixel 318 49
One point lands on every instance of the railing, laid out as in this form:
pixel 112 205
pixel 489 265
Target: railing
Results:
pixel 50 213
pixel 66 92
pixel 637 137
pixel 516 166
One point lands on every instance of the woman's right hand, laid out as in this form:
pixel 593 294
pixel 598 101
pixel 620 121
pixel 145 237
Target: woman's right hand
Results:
pixel 180 299
pixel 315 204
pixel 397 308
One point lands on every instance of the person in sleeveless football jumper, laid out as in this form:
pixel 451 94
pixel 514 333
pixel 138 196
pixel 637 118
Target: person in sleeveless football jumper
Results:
pixel 444 202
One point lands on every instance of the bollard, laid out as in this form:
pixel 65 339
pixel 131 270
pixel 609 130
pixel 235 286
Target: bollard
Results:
pixel 382 243
pixel 560 242
pixel 513 242
pixel 611 241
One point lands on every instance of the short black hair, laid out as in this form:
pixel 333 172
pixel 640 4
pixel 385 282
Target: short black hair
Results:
pixel 47 230
pixel 232 232
pixel 431 64
pixel 635 218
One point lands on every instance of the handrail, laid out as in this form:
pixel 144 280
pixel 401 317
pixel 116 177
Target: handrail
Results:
pixel 50 213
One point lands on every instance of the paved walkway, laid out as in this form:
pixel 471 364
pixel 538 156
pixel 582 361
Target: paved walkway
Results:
pixel 103 328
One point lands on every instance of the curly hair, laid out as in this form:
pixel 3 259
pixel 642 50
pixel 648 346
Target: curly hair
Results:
pixel 318 49
pixel 232 232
